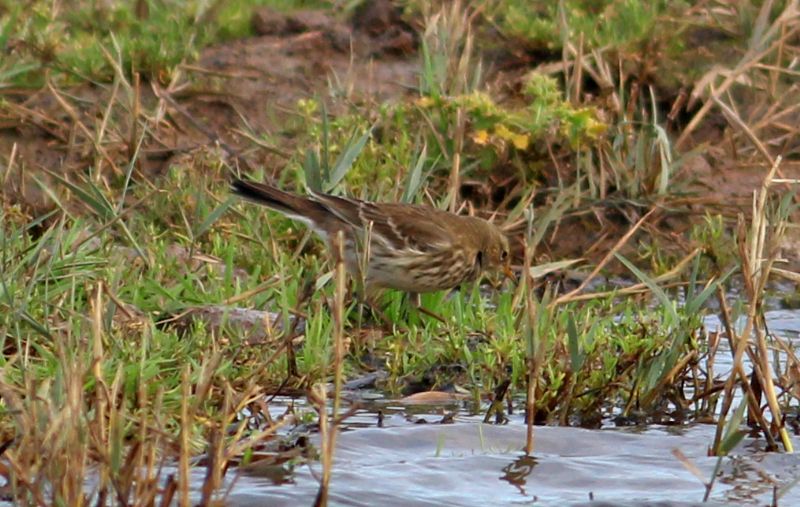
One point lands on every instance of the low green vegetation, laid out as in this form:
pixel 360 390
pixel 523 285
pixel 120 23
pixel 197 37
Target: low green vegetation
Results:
pixel 153 263
pixel 78 42
pixel 613 23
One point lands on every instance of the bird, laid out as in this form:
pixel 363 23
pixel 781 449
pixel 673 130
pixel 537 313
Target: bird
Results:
pixel 411 247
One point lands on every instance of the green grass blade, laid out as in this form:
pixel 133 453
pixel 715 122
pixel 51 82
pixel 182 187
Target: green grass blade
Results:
pixel 213 217
pixel 36 325
pixel 654 288
pixel 92 197
pixel 573 342
pixel 415 176
pixel 694 303
pixel 325 156
pixel 733 435
pixel 346 159
pixel 129 171
pixel 312 170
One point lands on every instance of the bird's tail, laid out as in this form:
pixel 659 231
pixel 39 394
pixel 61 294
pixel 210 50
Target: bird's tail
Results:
pixel 291 205
pixel 268 196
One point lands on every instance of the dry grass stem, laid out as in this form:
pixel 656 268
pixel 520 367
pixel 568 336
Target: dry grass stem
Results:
pixel 619 244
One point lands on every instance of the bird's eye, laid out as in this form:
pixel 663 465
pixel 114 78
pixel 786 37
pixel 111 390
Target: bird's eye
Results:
pixel 504 255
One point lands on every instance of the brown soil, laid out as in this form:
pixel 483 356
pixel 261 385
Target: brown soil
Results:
pixel 250 85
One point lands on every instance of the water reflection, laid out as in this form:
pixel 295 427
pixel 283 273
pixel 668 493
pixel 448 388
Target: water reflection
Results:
pixel 277 474
pixel 516 473
pixel 470 464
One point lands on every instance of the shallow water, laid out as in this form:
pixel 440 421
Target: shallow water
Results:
pixel 469 463
pixel 782 323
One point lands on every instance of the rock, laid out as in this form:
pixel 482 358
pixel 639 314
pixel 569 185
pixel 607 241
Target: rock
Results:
pixel 266 21
pixel 310 21
pixel 375 17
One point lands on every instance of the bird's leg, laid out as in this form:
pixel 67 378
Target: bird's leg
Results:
pixel 387 322
pixel 368 299
pixel 367 295
pixel 416 301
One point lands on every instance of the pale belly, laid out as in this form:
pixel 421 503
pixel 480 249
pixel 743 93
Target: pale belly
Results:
pixel 418 274
pixel 413 272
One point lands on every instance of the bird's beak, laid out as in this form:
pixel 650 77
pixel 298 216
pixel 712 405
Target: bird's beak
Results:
pixel 508 272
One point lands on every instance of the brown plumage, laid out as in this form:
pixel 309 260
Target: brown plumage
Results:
pixel 412 248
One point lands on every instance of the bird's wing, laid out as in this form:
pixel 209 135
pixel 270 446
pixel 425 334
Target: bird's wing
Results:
pixel 399 226
pixel 408 227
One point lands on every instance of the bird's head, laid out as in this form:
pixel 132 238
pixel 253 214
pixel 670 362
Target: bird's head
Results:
pixel 495 251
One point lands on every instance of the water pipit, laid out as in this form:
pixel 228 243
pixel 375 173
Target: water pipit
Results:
pixel 408 247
